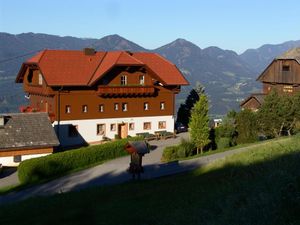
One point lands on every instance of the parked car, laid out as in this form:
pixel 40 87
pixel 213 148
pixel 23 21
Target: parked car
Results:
pixel 179 127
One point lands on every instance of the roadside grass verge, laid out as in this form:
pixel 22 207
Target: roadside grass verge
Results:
pixel 259 186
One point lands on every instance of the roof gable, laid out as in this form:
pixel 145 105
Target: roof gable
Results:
pixel 164 69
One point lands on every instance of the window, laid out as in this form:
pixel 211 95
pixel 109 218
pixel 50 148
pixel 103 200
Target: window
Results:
pixel 17 158
pixel 73 130
pixel 29 76
pixel 124 107
pixel 113 127
pixel 142 79
pixel 285 68
pixel 101 108
pixel 123 80
pixel 84 108
pixel 40 79
pixel 288 89
pixel 162 125
pixel 131 126
pixel 116 106
pixel 100 129
pixel 162 106
pixel 68 109
pixel 146 106
pixel 147 126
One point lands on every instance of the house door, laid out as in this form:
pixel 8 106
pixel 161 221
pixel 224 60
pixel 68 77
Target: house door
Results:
pixel 123 130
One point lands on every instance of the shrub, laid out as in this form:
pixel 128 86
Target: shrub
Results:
pixel 223 142
pixel 184 149
pixel 42 168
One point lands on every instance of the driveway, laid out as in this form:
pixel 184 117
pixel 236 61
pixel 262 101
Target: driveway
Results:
pixel 114 171
pixel 111 172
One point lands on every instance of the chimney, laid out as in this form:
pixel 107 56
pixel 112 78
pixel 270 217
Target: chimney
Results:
pixel 2 121
pixel 89 51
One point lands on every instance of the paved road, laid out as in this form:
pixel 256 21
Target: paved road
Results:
pixel 114 172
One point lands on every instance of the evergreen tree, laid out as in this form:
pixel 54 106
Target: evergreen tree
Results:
pixel 184 111
pixel 199 123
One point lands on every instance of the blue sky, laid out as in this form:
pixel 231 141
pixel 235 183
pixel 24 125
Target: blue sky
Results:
pixel 229 24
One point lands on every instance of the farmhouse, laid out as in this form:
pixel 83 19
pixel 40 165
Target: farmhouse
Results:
pixel 24 136
pixel 282 75
pixel 91 96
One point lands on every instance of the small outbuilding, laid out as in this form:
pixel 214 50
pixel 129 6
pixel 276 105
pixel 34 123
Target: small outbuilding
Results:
pixel 24 136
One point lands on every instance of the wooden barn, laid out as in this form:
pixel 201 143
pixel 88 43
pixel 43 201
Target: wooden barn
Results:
pixel 282 75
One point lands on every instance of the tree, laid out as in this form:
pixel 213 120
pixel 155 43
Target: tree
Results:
pixel 247 127
pixel 199 123
pixel 277 114
pixel 184 111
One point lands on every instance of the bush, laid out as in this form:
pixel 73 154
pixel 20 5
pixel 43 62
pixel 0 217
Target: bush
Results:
pixel 184 149
pixel 223 142
pixel 43 168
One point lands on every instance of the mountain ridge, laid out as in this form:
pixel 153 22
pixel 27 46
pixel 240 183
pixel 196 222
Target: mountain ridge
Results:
pixel 227 76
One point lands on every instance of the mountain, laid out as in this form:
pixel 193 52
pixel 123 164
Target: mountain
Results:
pixel 227 76
pixel 261 57
pixel 116 42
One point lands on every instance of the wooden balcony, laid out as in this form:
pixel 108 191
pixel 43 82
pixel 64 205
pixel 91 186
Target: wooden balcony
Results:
pixel 115 91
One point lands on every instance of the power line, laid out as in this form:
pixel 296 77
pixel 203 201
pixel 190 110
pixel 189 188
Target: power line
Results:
pixel 19 56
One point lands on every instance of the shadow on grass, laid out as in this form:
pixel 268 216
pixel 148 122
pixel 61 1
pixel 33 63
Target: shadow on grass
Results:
pixel 264 192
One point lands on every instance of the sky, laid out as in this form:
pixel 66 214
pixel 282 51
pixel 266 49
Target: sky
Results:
pixel 229 24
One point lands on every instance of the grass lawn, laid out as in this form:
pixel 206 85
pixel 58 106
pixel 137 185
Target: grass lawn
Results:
pixel 260 186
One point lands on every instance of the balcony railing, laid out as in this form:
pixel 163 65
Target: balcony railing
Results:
pixel 126 90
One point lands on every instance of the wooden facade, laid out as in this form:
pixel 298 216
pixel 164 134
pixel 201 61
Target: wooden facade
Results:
pixel 282 75
pixel 133 92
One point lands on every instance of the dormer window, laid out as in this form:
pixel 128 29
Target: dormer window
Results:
pixel 123 80
pixel 40 79
pixel 285 68
pixel 142 79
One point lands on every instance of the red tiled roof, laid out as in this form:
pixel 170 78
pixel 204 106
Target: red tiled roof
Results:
pixel 167 71
pixel 74 68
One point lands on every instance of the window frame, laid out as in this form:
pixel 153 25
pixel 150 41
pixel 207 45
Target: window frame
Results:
pixel 146 106
pixel 131 126
pixel 123 80
pixel 124 107
pixel 113 127
pixel 102 132
pixel 40 81
pixel 142 81
pixel 145 127
pixel 164 123
pixel 68 109
pixel 286 68
pixel 84 108
pixel 162 105
pixel 101 108
pixel 116 106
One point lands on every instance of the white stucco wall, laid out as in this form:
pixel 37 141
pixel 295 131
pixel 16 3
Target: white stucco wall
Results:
pixel 87 129
pixel 9 161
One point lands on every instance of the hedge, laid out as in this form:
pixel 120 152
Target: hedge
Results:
pixel 54 165
pixel 182 150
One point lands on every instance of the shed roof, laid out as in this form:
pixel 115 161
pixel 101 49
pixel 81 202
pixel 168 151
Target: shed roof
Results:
pixel 27 131
pixel 260 98
pixel 75 68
